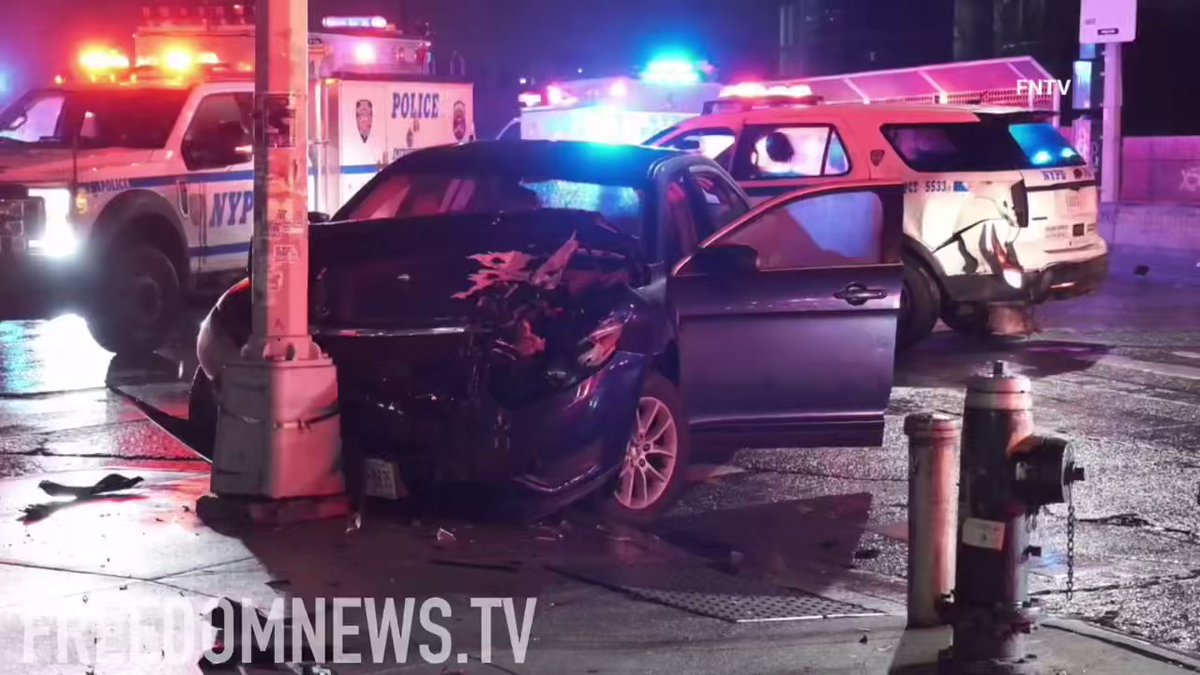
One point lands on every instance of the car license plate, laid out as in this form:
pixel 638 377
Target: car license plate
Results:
pixel 382 479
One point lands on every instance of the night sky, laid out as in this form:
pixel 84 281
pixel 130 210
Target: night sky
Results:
pixel 503 40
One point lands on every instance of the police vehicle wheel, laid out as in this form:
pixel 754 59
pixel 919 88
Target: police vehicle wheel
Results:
pixel 967 319
pixel 138 301
pixel 919 303
pixel 654 465
pixel 202 413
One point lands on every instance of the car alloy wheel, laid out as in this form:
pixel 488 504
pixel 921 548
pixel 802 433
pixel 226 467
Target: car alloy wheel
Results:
pixel 650 457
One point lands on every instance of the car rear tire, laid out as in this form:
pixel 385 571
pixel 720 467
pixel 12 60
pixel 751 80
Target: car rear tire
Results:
pixel 654 467
pixel 969 319
pixel 919 303
pixel 138 300
pixel 202 413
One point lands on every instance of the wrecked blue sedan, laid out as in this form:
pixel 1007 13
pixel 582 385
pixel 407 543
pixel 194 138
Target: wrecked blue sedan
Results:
pixel 550 319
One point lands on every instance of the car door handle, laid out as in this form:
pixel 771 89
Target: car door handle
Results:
pixel 857 294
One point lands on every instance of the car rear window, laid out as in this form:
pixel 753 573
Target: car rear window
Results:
pixel 980 146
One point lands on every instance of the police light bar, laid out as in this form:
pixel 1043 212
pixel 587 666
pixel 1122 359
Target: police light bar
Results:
pixel 199 14
pixel 759 90
pixel 100 60
pixel 355 22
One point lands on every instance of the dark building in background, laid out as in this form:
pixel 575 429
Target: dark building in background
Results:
pixel 1047 30
pixel 1162 91
pixel 823 37
pixel 834 36
pixel 826 37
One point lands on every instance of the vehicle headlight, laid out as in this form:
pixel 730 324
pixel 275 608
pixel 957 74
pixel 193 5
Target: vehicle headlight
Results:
pixel 598 347
pixel 58 237
pixel 591 353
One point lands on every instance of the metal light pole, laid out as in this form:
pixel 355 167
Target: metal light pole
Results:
pixel 1110 23
pixel 278 434
pixel 1110 177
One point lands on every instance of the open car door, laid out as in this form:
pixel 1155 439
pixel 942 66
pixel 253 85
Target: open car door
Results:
pixel 787 319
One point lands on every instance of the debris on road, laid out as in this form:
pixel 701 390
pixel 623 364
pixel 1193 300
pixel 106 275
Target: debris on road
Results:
pixel 1119 519
pixel 499 567
pixel 445 536
pixel 35 512
pixel 113 482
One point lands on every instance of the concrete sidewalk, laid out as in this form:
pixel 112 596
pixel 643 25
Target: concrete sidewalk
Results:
pixel 89 570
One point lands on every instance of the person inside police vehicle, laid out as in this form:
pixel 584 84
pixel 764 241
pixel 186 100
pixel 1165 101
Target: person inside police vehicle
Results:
pixel 779 155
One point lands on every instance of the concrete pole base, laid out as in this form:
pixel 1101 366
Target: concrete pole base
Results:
pixel 217 510
pixel 278 431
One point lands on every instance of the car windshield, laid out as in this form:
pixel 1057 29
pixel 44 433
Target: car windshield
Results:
pixel 423 194
pixel 103 118
pixel 981 146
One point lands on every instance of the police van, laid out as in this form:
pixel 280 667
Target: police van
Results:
pixel 1000 213
pixel 136 182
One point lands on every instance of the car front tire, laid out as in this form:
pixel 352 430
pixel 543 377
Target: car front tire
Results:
pixel 137 303
pixel 919 303
pixel 653 469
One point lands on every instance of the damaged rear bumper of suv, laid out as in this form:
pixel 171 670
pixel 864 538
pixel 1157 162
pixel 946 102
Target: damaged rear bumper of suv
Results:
pixel 1055 282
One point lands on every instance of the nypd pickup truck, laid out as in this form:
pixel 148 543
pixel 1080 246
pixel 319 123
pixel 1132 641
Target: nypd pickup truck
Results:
pixel 137 193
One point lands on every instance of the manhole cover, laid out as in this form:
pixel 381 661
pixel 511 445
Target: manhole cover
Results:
pixel 708 592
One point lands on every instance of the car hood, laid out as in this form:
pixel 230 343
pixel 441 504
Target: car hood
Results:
pixel 54 167
pixel 481 270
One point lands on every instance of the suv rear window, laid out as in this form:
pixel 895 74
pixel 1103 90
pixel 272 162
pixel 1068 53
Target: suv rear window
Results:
pixel 980 146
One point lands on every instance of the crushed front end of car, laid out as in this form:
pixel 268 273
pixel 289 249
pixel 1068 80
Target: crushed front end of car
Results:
pixel 500 353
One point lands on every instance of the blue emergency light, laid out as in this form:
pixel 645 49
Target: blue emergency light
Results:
pixel 671 70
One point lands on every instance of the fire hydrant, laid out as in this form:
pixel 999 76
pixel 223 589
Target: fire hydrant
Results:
pixel 1007 475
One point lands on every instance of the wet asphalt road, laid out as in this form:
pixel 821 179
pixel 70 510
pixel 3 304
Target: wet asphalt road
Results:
pixel 1118 374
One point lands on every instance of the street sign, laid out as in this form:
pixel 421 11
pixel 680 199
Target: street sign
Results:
pixel 1104 21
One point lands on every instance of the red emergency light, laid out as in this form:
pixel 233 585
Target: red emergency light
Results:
pixel 207 14
pixel 355 23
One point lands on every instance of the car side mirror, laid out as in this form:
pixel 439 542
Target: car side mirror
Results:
pixel 315 217
pixel 728 259
pixel 687 145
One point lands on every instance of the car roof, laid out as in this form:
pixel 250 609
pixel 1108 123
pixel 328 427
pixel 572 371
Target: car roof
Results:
pixel 569 160
pixel 886 113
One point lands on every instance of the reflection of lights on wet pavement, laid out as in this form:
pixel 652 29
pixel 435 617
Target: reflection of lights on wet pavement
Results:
pixel 46 356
